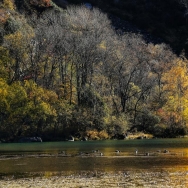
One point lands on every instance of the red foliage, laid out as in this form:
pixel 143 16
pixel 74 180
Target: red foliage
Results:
pixel 28 77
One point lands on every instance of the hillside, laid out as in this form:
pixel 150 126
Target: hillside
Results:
pixel 165 21
pixel 73 72
pixel 162 19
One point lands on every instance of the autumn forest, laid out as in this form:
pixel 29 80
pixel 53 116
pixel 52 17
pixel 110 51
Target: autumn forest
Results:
pixel 69 72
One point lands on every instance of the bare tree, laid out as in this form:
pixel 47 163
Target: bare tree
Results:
pixel 47 48
pixel 89 29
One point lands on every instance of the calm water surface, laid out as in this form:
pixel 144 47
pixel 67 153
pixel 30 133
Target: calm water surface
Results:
pixel 153 155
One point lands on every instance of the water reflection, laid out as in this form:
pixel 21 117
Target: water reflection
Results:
pixel 106 156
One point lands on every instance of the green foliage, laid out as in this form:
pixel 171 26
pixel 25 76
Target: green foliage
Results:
pixel 90 99
pixel 13 99
pixel 117 124
pixel 26 109
pixel 11 25
pixel 146 122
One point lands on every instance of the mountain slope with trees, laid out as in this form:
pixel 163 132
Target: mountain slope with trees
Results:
pixel 164 19
pixel 68 72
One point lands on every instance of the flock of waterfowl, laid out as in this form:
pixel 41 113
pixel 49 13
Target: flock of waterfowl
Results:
pixel 97 153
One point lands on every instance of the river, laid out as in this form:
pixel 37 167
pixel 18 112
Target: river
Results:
pixel 106 156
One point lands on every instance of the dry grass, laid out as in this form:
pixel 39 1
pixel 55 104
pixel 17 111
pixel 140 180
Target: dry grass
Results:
pixel 139 135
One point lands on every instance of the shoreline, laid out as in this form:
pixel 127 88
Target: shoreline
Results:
pixel 139 178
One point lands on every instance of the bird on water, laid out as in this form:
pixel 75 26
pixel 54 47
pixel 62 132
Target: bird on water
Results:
pixel 136 151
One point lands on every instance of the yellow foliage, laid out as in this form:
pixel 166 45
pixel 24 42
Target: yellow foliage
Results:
pixel 177 77
pixel 97 135
pixel 3 95
pixel 16 39
pixel 19 40
pixel 46 108
pixel 176 87
pixel 185 114
pixel 42 99
pixel 102 45
pixel 50 96
pixel 18 91
pixel 103 135
pixel 3 52
pixel 3 88
pixel 67 91
pixel 9 4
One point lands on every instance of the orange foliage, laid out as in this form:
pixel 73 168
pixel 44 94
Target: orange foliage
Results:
pixel 3 15
pixel 97 135
pixel 168 116
pixel 163 114
pixel 41 3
